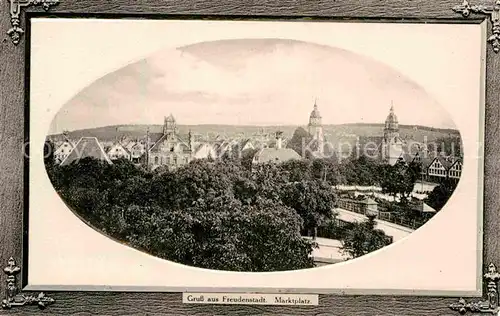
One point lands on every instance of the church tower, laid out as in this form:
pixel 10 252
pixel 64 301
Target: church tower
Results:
pixel 391 129
pixel 392 143
pixel 169 125
pixel 315 127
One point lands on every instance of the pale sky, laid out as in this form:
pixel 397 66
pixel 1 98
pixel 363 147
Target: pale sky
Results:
pixel 269 73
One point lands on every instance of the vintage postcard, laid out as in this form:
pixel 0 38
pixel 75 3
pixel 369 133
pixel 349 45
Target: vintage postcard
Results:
pixel 315 157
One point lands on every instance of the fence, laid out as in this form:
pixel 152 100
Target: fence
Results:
pixel 360 207
pixel 395 219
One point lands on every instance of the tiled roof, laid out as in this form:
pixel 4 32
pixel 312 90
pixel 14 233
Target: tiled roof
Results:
pixel 445 162
pixel 119 145
pixel 275 155
pixel 177 138
pixel 86 147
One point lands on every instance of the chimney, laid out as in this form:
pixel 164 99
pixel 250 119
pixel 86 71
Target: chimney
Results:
pixel 279 139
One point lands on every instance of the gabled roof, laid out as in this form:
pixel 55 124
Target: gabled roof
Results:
pixel 275 155
pixel 86 147
pixel 154 138
pixel 226 146
pixel 120 146
pixel 244 142
pixel 65 143
pixel 176 138
pixel 130 145
pixel 445 162
pixel 457 161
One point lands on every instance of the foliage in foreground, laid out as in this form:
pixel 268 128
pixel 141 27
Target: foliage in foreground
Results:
pixel 363 238
pixel 215 215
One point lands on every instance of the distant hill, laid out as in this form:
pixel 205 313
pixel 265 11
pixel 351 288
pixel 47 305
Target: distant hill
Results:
pixel 210 132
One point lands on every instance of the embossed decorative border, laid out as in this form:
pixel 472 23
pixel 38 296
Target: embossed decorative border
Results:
pixel 340 305
pixel 15 32
pixel 490 306
pixel 14 297
pixel 492 10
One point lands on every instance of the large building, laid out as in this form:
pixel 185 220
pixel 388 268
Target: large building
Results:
pixel 277 154
pixel 315 128
pixel 392 144
pixel 170 151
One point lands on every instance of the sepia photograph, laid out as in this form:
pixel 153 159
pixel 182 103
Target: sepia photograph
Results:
pixel 267 150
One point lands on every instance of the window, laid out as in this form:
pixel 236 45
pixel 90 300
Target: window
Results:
pixel 156 160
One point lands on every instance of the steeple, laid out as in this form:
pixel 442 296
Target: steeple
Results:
pixel 315 117
pixel 391 122
pixel 169 125
pixel 392 144
pixel 391 128
pixel 315 127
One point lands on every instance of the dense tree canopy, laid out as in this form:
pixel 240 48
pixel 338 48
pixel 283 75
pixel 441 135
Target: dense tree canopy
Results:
pixel 210 214
pixel 229 214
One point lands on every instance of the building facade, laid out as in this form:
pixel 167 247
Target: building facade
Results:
pixel 117 151
pixel 392 144
pixel 315 128
pixel 63 151
pixel 170 151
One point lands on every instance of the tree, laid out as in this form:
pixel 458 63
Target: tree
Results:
pixel 247 158
pixel 364 238
pixel 220 233
pixel 48 157
pixel 300 139
pixel 312 200
pixel 209 214
pixel 440 195
pixel 297 170
pixel 400 179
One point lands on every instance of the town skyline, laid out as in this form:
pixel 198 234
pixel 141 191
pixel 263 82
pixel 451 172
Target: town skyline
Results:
pixel 54 129
pixel 158 125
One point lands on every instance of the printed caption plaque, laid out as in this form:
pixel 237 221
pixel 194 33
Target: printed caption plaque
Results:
pixel 249 299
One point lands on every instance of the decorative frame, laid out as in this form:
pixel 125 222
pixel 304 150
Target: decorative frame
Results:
pixel 13 63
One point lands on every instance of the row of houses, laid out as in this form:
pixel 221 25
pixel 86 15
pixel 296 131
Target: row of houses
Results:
pixel 170 149
pixel 437 168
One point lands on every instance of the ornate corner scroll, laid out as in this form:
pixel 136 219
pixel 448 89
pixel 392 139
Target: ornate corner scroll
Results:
pixel 489 306
pixel 15 32
pixel 492 10
pixel 13 296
